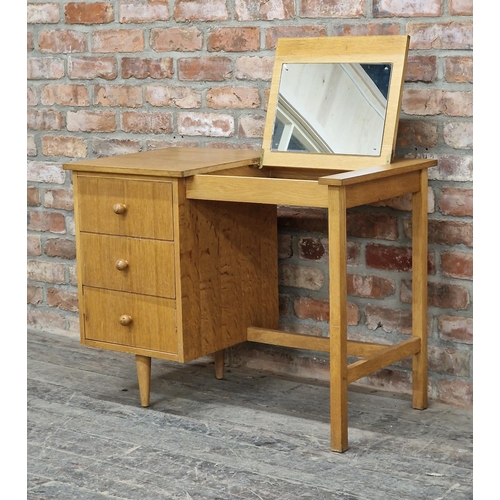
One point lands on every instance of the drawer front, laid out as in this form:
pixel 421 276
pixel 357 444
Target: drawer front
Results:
pixel 125 207
pixel 130 319
pixel 127 264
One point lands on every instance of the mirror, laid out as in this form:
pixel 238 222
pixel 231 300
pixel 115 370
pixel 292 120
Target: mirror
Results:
pixel 334 102
pixel 336 108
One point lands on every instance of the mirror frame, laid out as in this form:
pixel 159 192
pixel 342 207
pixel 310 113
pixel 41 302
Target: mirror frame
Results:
pixel 390 49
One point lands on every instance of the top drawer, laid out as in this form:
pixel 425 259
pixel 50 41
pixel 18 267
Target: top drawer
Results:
pixel 115 205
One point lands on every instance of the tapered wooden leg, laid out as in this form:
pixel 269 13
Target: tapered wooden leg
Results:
pixel 419 292
pixel 219 364
pixel 143 364
pixel 338 317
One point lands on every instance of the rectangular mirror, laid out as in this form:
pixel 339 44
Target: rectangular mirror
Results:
pixel 334 102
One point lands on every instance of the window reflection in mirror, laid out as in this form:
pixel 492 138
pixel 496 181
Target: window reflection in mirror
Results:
pixel 335 108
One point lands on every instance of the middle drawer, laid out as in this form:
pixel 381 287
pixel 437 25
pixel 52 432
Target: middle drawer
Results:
pixel 128 264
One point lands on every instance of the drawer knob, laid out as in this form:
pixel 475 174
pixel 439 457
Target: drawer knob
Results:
pixel 119 208
pixel 121 264
pixel 125 320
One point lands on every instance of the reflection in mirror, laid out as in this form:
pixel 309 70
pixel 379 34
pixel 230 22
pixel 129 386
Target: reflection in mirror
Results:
pixel 335 108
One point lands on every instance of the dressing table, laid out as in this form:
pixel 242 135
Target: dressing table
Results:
pixel 177 248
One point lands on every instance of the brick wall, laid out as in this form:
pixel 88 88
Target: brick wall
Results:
pixel 122 76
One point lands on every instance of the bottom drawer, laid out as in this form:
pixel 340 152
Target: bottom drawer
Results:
pixel 130 319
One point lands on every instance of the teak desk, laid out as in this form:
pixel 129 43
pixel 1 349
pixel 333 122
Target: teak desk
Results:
pixel 177 259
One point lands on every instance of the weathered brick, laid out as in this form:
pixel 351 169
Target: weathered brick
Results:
pixel 455 329
pixel 458 135
pixel 285 304
pixel 179 97
pixel 234 39
pixel 30 42
pixel 35 295
pixel 31 97
pixel 43 13
pixel 456 264
pixel 46 172
pixel 310 278
pixel 458 69
pixel 233 97
pixel 311 248
pixel 45 68
pixel 62 41
pixel 207 68
pixel 422 102
pixel 305 219
pixel 453 168
pixel 144 11
pixel 60 199
pixel 249 146
pixel 256 10
pixel 90 68
pixel 124 96
pixel 461 7
pixel 184 39
pixel 91 121
pixel 206 124
pixel 31 149
pixel 391 258
pixel 45 119
pixel 456 392
pixel 372 225
pixel 417 134
pixel 453 35
pixel 365 28
pixel 415 8
pixel 33 197
pixel 404 202
pixel 445 232
pixel 34 245
pixel 254 68
pixel 285 249
pixel 46 321
pixel 46 272
pixel 448 361
pixel 88 13
pixel 391 380
pixel 56 145
pixel 442 295
pixel 64 95
pixel 455 201
pixel 251 126
pixel 154 144
pixel 200 10
pixel 319 8
pixel 421 68
pixel 62 299
pixel 118 40
pixel 319 310
pixel 53 222
pixel 390 320
pixel 140 67
pixel 60 247
pixel 373 287
pixel 146 123
pixel 457 103
pixel 272 34
pixel 112 147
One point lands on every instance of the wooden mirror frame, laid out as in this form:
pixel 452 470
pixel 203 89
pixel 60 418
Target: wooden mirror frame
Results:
pixel 391 49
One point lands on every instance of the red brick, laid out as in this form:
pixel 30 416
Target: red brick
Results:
pixel 62 41
pixel 234 39
pixel 124 96
pixel 143 11
pixel 305 219
pixel 456 392
pixel 207 68
pixel 417 134
pixel 442 295
pixel 35 295
pixel 390 320
pixel 372 225
pixel 285 249
pixel 390 258
pixel 319 310
pixel 62 299
pixel 404 202
pixel 200 10
pixel 421 68
pixel 445 232
pixel 435 102
pixel 455 329
pixel 43 13
pixel 88 13
pixel 373 287
pixel 272 34
pixel 46 272
pixel 179 97
pixel 46 172
pixel 45 68
pixel 365 29
pixel 310 278
pixel 91 121
pixel 112 147
pixel 461 7
pixel 53 222
pixel 139 67
pixel 455 201
pixel 285 303
pixel 146 123
pixel 64 95
pixel 60 199
pixel 71 147
pixel 206 124
pixel 448 361
pixel 311 248
pixel 453 168
pixel 416 8
pixel 33 197
pixel 34 245
pixel 320 8
pixel 185 39
pixel 458 69
pixel 60 247
pixel 233 97
pixel 456 264
pixel 457 103
pixel 458 135
pixel 118 40
pixel 256 10
pixel 45 119
pixel 254 68
pixel 89 68
pixel 46 321
pixel 453 35
pixel 251 126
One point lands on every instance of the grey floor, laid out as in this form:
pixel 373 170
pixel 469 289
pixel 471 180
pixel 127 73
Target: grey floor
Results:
pixel 250 436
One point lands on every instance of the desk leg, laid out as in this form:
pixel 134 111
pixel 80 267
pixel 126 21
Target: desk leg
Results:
pixel 337 241
pixel 419 292
pixel 143 364
pixel 219 364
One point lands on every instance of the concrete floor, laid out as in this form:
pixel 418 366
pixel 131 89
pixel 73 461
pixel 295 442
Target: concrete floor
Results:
pixel 249 436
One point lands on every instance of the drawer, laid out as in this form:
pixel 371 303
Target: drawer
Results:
pixel 125 207
pixel 130 319
pixel 127 264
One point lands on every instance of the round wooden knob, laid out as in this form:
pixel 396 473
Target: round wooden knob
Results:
pixel 125 320
pixel 119 208
pixel 121 264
